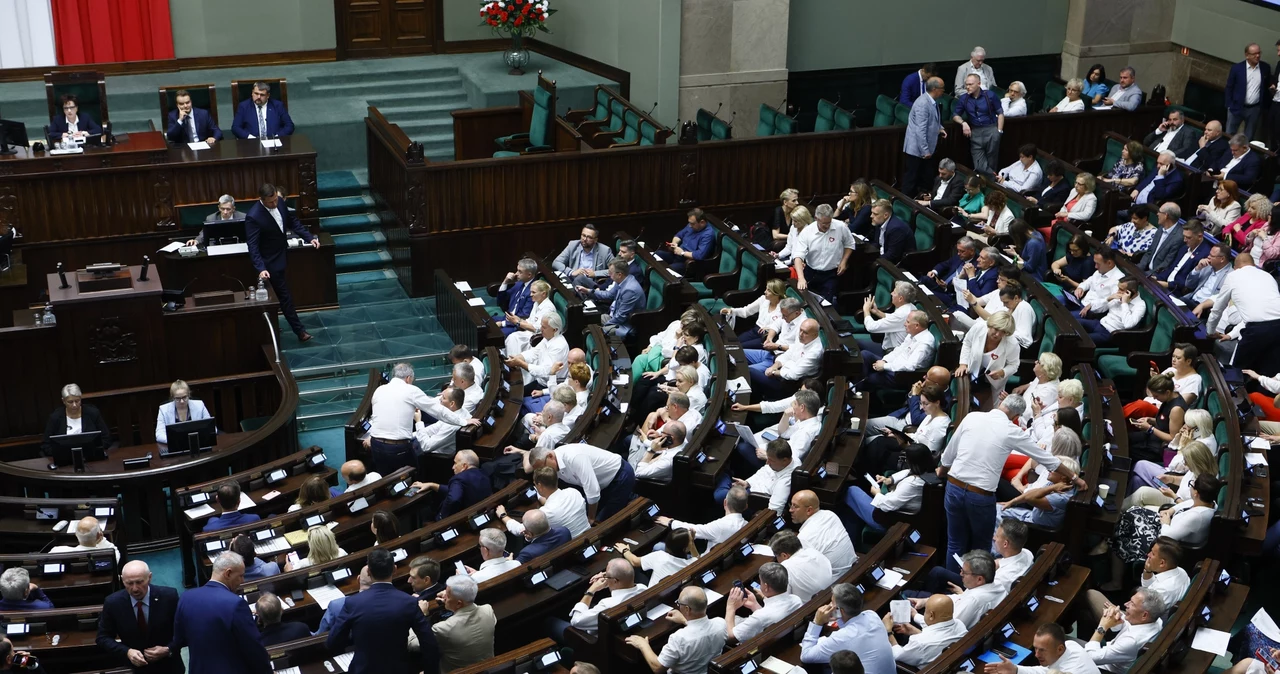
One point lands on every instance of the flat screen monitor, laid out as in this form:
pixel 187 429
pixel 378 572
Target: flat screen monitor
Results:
pixel 76 448
pixel 192 437
pixel 229 231
pixel 12 133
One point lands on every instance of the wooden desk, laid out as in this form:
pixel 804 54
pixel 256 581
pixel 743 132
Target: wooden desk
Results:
pixel 313 278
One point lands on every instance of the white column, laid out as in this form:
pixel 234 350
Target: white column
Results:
pixel 26 34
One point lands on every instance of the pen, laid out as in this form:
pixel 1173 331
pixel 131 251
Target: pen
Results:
pixel 918 554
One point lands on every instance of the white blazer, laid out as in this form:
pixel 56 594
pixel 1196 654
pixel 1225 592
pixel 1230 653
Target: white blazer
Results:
pixel 1082 210
pixel 169 415
pixel 1007 354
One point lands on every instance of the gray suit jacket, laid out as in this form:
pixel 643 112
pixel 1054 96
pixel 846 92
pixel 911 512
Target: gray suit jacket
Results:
pixel 922 127
pixel 1163 252
pixel 568 259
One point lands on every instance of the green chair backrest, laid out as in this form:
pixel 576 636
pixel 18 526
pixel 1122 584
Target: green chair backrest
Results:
pixel 1162 336
pixel 618 116
pixel 541 118
pixel 1050 335
pixel 750 271
pixel 902 211
pixel 1111 156
pixel 947 103
pixel 631 133
pixel 884 111
pixel 784 125
pixel 843 119
pixel 767 116
pixel 720 130
pixel 561 304
pixel 826 119
pixel 648 134
pixel 999 92
pixel 729 251
pixel 884 287
pixel 87 97
pixel 657 284
pixel 1053 92
pixel 1214 405
pixel 601 111
pixel 926 229
pixel 1038 308
pixel 1191 113
pixel 704 124
pixel 901 114
pixel 1060 242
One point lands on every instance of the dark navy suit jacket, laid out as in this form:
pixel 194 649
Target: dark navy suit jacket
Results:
pixel 1178 284
pixel 217 628
pixel 205 127
pixel 1245 173
pixel 543 544
pixel 1052 197
pixel 282 632
pixel 246 122
pixel 228 520
pixel 58 126
pixel 911 88
pixel 1208 156
pixel 516 299
pixel 375 623
pixel 464 490
pixel 1238 83
pixel 118 620
pixel 948 267
pixel 983 282
pixel 898 239
pixel 267 243
pixel 1169 186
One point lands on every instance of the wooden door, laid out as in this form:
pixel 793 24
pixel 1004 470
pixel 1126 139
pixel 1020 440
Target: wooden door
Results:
pixel 379 28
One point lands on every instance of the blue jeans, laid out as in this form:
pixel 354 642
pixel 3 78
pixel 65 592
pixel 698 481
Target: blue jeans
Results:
pixel 758 356
pixel 1100 335
pixel 722 487
pixel 388 458
pixel 618 494
pixel 971 522
pixel 860 503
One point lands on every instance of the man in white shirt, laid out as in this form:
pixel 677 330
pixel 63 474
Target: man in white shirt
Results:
pixel 1013 562
pixel 619 578
pixel 890 324
pixel 823 531
pixel 972 463
pixel 1125 310
pixel 90 537
pixel 1161 574
pixel 607 481
pixel 677 409
pixel 981 592
pixel 802 359
pixel 915 353
pixel 553 427
pixel 858 630
pixel 774 604
pixel 439 437
pixel 562 507
pixel 690 648
pixel 356 476
pixel 822 253
pixel 1137 623
pixel 798 426
pixel 976 65
pixel 1024 175
pixel 659 458
pixel 537 363
pixel 718 530
pixel 1055 653
pixel 781 335
pixel 464 379
pixel 1255 296
pixel 390 439
pixel 493 550
pixel 773 479
pixel 1095 290
pixel 925 645
pixel 808 571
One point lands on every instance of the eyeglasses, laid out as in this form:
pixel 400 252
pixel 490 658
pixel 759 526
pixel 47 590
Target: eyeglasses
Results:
pixel 680 604
pixel 181 399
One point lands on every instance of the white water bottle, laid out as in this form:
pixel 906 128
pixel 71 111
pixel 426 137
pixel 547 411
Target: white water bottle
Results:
pixel 261 293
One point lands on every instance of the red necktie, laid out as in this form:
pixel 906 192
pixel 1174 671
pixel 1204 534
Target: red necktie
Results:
pixel 142 619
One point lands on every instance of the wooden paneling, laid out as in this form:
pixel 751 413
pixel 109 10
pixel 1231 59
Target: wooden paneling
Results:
pixel 412 26
pixel 380 28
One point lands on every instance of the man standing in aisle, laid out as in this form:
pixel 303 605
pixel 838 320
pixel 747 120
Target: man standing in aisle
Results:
pixel 924 126
pixel 267 229
pixel 984 126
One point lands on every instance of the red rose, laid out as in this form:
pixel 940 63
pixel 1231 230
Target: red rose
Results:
pixel 519 20
pixel 502 16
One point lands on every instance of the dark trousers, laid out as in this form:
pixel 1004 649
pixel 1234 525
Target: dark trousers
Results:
pixel 1248 116
pixel 1257 349
pixel 1101 336
pixel 280 284
pixel 971 522
pixel 822 283
pixel 878 455
pixel 388 458
pixel 916 174
pixel 676 263
pixel 618 494
pixel 751 337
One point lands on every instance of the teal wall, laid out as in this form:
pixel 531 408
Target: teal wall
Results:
pixel 230 27
pixel 832 34
pixel 1222 28
pixel 462 21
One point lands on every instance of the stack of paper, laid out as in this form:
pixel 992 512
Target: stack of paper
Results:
pixel 462 285
pixel 277 544
pixel 343 661
pixel 762 550
pixel 289 670
pixel 657 611
pixel 776 665
pixel 901 611
pixel 199 511
pixel 1254 458
pixel 475 301
pixel 891 579
pixel 324 594
pixel 295 537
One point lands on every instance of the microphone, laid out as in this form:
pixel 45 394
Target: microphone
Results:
pixel 655 107
pixel 146 265
pixel 62 277
pixel 242 287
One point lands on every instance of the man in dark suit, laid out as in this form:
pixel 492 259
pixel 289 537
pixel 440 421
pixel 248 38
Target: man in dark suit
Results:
pixel 1240 163
pixel 267 227
pixel 1213 145
pixel 216 625
pixel 1175 136
pixel 1193 249
pixel 1051 195
pixel 229 501
pixel 1166 244
pixel 141 617
pixel 627 251
pixel 947 188
pixel 261 116
pixel 913 85
pixel 1156 187
pixel 375 623
pixel 966 250
pixel 71 125
pixel 895 237
pixel 540 536
pixel 189 124
pixel 1247 92
pixel 515 296
pixel 468 486
pixel 273 631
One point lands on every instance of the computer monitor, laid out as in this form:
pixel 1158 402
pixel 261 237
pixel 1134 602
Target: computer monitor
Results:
pixel 224 229
pixel 74 449
pixel 14 133
pixel 193 436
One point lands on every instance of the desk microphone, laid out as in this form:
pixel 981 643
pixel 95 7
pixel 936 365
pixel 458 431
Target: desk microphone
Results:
pixel 244 289
pixel 62 277
pixel 146 265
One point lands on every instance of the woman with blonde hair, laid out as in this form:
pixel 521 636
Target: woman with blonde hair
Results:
pixel 181 407
pixel 990 349
pixel 781 224
pixel 526 328
pixel 1199 461
pixel 1197 426
pixel 323 548
pixel 766 311
pixel 1257 211
pixel 800 218
pixel 855 208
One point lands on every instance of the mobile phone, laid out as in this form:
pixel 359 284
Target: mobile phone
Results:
pixel 1154 366
pixel 1003 651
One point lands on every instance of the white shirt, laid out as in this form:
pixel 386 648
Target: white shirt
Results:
pixel 1012 108
pixel 824 532
pixel 1075 660
pixel 492 568
pixel 926 646
pixel 800 436
pixel 777 484
pixel 1232 164
pixel 1122 651
pixel 1000 221
pixel 808 573
pixel 1166 138
pixel 547 353
pixel 1020 178
pixel 1124 315
pixel 552 435
pixel 1045 392
pixel 437 438
pixel 1009 569
pixel 75 426
pixel 912 354
pixel 1099 286
pixel 716 531
pixel 661 564
pixel 659 469
pixel 1024 318
pixel 982 442
pixel 586 618
pixel 974 354
pixel 823 250
pixel 942 188
pixel 103 544
pixel 471 396
pixel 1190 524
pixel 571 417
pixel 1068 105
pixel 697 403
pixel 788 332
pixel 690 649
pixel 306 561
pixel 1253 84
pixel 892 326
pixel 972 604
pixel 775 608
pixel 563 508
pixel 931 433
pixel 588 467
pixel 1254 294
pixel 369 478
pixel 801 360
pixel 905 497
pixel 667 338
pixel 392 408
pixel 1171 585
pixel 275 215
pixel 759 309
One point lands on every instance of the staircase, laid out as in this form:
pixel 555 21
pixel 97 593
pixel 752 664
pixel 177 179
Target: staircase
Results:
pixel 419 101
pixel 376 323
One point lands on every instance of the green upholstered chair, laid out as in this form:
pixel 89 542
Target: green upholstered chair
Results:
pixel 784 125
pixel 826 119
pixel 730 251
pixel 1054 91
pixel 946 103
pixel 748 277
pixel 1115 366
pixel 901 114
pixel 884 111
pixel 617 118
pixel 539 128
pixel 926 232
pixel 844 119
pixel 704 118
pixel 768 116
pixel 242 90
pixel 597 113
pixel 1190 113
pixel 203 96
pixel 89 88
pixel 1111 155
pixel 721 130
pixel 630 130
pixel 648 133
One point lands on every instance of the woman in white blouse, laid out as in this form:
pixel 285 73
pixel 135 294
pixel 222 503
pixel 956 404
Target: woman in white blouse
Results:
pixel 1196 459
pixel 518 341
pixel 661 346
pixel 1223 208
pixel 766 311
pixel 1197 426
pixel 1048 371
pixel 1065 442
pixel 990 349
pixel 1186 522
pixel 1072 102
pixel 323 548
pixel 678 552
pixel 881 454
pixel 900 493
pixel 1186 382
pixel 1014 102
pixel 687 383
pixel 999 217
pixel 800 218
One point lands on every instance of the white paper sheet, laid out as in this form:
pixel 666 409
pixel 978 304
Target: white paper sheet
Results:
pixel 227 249
pixel 762 550
pixel 289 670
pixel 199 511
pixel 890 579
pixel 476 301
pixel 777 665
pixel 271 142
pixel 1211 641
pixel 1262 444
pixel 712 596
pixel 901 611
pixel 171 247
pixel 198 146
pixel 961 285
pixel 245 501
pixel 745 433
pixel 1262 620
pixel 1254 458
pixel 462 285
pixel 343 661
pixel 324 594
pixel 657 611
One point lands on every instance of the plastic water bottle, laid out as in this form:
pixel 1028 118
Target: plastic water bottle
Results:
pixel 261 293
pixel 48 318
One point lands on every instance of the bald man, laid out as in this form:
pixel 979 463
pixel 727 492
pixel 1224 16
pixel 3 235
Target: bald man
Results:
pixel 925 645
pixel 90 537
pixel 690 648
pixel 823 531
pixel 619 579
pixel 802 359
pixel 913 414
pixel 356 475
pixel 215 624
pixel 140 642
